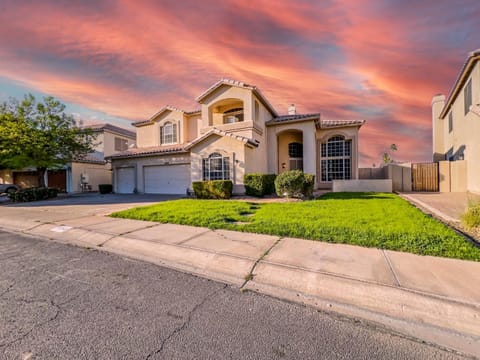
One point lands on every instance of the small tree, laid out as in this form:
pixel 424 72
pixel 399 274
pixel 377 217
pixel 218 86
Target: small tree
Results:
pixel 40 135
pixel 387 156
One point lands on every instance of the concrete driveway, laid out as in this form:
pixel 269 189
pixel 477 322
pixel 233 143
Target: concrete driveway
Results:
pixel 85 204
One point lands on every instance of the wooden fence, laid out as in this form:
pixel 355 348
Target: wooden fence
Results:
pixel 425 177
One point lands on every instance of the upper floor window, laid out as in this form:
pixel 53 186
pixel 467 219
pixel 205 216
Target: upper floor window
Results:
pixel 467 94
pixel 121 144
pixel 216 167
pixel 233 116
pixel 450 122
pixel 168 133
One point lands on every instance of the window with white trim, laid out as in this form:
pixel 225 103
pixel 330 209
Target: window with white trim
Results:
pixel 216 167
pixel 336 159
pixel 168 133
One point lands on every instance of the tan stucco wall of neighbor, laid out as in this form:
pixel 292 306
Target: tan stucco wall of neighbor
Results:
pixel 349 133
pixel 108 147
pixel 383 185
pixel 96 174
pixel 226 146
pixel 464 135
pixel 140 163
pixel 438 102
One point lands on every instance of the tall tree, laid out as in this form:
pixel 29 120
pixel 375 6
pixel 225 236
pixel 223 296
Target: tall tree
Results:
pixel 41 135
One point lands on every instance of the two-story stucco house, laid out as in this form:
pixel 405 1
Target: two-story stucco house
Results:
pixel 83 174
pixel 456 126
pixel 236 131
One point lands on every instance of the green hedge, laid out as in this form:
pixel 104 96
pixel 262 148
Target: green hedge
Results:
pixel 33 194
pixel 213 189
pixel 105 188
pixel 295 183
pixel 257 184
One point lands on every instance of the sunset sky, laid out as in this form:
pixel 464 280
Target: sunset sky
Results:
pixel 121 61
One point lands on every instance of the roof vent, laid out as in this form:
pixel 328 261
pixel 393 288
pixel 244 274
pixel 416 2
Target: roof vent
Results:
pixel 292 110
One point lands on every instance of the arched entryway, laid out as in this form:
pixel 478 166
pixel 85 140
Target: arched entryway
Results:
pixel 290 150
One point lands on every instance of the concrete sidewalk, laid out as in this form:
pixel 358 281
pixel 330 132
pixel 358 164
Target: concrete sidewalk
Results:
pixel 434 299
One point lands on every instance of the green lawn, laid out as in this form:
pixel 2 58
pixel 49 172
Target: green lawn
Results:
pixel 378 220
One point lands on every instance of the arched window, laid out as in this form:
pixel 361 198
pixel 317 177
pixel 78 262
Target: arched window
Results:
pixel 168 133
pixel 216 167
pixel 336 159
pixel 295 153
pixel 233 116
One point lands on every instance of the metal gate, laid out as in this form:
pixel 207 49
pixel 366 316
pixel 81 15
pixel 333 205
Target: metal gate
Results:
pixel 425 177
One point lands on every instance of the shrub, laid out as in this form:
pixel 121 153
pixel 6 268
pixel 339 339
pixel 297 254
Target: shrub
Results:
pixel 33 194
pixel 471 218
pixel 257 184
pixel 213 189
pixel 295 183
pixel 105 188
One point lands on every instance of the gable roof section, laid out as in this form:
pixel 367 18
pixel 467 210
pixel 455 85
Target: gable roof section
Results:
pixel 462 77
pixel 161 111
pixel 293 118
pixel 215 131
pixel 240 84
pixel 111 128
pixel 148 151
pixel 325 124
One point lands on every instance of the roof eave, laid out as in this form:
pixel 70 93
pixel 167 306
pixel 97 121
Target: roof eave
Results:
pixel 275 123
pixel 467 67
pixel 130 156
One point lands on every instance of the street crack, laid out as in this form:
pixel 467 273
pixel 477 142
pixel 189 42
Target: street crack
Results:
pixel 185 323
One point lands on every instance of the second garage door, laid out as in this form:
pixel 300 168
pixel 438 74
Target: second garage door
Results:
pixel 167 179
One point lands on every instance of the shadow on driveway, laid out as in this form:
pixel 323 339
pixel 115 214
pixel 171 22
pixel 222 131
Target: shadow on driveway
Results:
pixel 100 199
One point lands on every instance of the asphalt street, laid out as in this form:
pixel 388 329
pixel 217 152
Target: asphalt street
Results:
pixel 63 302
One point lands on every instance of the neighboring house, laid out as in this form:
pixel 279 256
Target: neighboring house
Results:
pixel 236 131
pixel 84 174
pixel 456 128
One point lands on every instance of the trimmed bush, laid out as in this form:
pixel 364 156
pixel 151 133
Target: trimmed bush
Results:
pixel 295 183
pixel 257 184
pixel 33 194
pixel 213 189
pixel 105 188
pixel 471 218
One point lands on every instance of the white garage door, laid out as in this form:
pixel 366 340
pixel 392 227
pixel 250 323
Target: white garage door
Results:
pixel 167 179
pixel 125 180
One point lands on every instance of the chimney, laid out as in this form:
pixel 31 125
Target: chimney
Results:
pixel 292 110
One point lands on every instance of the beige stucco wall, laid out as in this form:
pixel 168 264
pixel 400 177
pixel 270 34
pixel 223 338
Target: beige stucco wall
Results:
pixel 97 174
pixel 191 127
pixel 444 176
pixel 383 185
pixel 438 143
pixel 464 134
pixel 108 138
pixel 139 163
pixel 226 146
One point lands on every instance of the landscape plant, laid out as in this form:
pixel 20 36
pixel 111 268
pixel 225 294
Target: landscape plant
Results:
pixel 40 135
